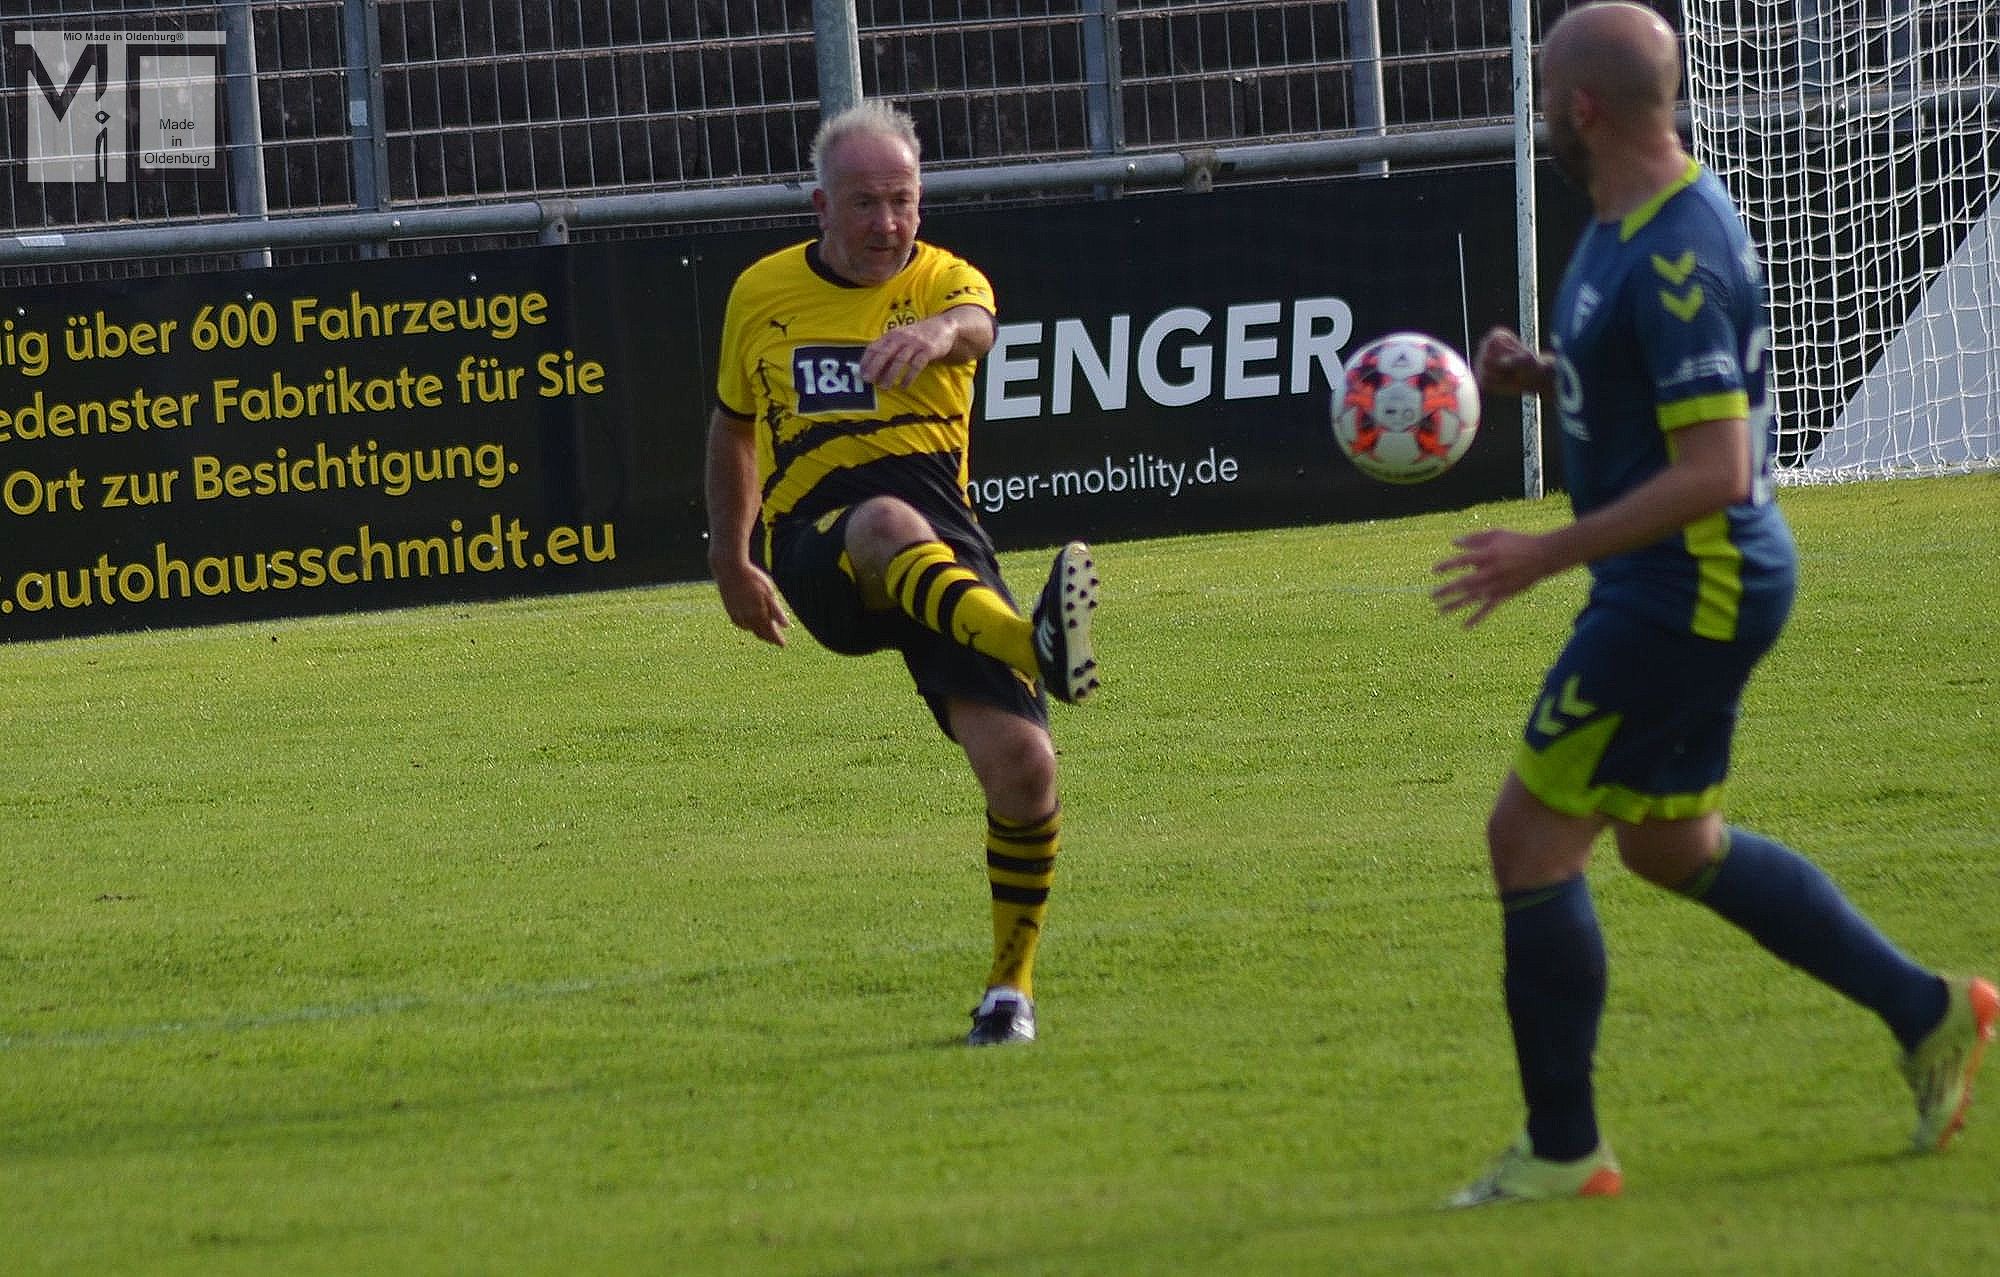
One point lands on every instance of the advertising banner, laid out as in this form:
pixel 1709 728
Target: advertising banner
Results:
pixel 1167 364
pixel 251 444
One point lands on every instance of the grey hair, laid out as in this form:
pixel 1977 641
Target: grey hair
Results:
pixel 866 117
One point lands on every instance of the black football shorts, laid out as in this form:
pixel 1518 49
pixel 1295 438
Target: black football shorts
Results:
pixel 810 565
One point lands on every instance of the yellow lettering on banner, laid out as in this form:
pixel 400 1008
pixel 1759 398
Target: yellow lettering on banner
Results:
pixel 393 471
pixel 496 543
pixel 41 419
pixel 499 315
pixel 484 378
pixel 564 375
pixel 29 493
pixel 562 545
pixel 27 350
pixel 338 392
pixel 150 487
pixel 96 337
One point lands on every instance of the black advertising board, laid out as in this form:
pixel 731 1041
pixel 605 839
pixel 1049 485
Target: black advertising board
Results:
pixel 1166 364
pixel 186 450
pixel 324 438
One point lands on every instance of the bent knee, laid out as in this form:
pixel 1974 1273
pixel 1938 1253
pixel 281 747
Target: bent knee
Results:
pixel 880 526
pixel 1530 844
pixel 1019 777
pixel 1669 853
pixel 1031 762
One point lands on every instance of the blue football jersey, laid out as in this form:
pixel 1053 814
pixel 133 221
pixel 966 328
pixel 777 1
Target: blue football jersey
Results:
pixel 1661 323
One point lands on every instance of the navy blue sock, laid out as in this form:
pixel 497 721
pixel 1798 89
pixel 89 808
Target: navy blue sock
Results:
pixel 1793 909
pixel 1555 997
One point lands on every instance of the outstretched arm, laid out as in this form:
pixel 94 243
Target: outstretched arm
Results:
pixel 957 335
pixel 748 593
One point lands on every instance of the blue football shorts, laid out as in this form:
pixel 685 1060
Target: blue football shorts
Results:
pixel 1634 721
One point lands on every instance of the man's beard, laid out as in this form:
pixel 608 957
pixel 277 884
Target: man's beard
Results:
pixel 1572 160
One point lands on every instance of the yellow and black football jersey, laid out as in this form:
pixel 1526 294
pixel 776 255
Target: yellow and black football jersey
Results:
pixel 792 338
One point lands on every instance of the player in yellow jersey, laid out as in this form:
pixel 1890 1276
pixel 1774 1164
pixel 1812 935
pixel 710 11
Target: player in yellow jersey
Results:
pixel 836 485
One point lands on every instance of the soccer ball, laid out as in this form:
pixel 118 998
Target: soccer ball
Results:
pixel 1406 408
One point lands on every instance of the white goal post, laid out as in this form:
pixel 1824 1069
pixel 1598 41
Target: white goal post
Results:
pixel 1862 140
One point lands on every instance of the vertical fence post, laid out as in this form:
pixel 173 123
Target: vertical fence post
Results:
pixel 246 124
pixel 368 148
pixel 1527 261
pixel 1102 100
pixel 1100 77
pixel 837 41
pixel 1364 36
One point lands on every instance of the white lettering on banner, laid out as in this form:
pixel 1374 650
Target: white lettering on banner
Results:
pixel 1256 339
pixel 1140 472
pixel 1109 378
pixel 1196 360
pixel 1240 350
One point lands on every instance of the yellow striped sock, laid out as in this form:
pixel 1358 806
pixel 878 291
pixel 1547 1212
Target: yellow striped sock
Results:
pixel 1020 866
pixel 927 581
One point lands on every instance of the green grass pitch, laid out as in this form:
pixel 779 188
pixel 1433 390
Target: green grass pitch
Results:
pixel 586 935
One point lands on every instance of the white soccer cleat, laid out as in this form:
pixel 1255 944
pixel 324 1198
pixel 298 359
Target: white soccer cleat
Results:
pixel 1004 1015
pixel 1062 625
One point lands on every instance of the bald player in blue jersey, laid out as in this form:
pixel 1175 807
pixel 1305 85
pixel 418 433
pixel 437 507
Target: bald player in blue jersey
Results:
pixel 1657 377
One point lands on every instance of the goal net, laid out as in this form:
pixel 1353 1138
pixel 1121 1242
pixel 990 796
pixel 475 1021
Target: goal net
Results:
pixel 1862 140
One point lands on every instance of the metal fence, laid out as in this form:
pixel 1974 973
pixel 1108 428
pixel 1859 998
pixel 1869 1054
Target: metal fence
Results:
pixel 366 105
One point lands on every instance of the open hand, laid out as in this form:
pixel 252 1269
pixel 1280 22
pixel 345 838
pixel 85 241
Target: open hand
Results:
pixel 1492 566
pixel 751 599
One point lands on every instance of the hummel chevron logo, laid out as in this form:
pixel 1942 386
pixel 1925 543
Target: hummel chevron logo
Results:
pixel 1571 707
pixel 1675 272
pixel 1685 306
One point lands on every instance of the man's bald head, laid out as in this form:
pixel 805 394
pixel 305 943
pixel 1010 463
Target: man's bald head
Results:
pixel 1624 55
pixel 1610 73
